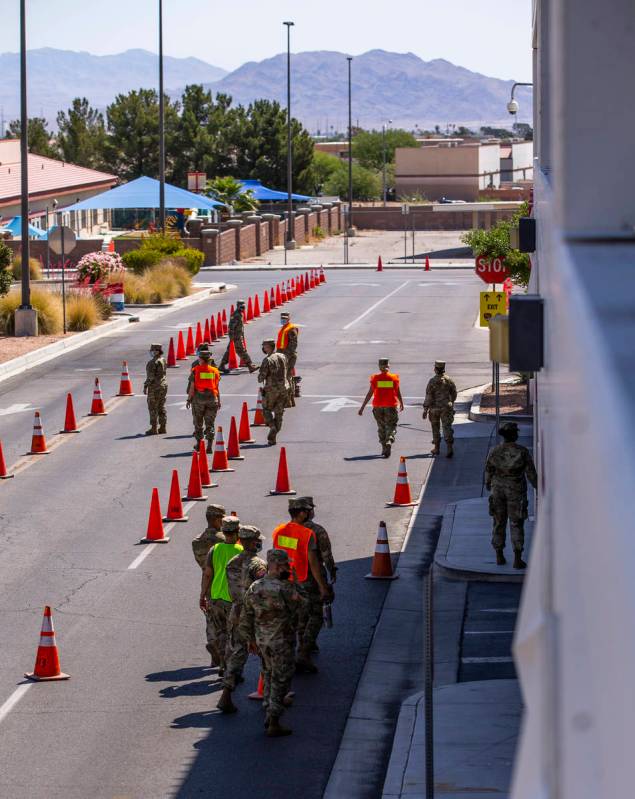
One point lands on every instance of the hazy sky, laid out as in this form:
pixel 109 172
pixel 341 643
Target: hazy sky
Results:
pixel 488 36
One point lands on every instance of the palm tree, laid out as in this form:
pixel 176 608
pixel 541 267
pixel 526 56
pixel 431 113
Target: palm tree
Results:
pixel 232 193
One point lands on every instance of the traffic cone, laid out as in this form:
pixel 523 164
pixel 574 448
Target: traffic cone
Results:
pixel 380 266
pixel 250 310
pixel 111 245
pixel 312 280
pixel 194 488
pixel 97 406
pixel 231 312
pixel 244 433
pixel 3 465
pixel 322 275
pixel 233 446
pixel 206 335
pixel 199 336
pixel 154 533
pixel 220 329
pixel 47 661
pixel 283 294
pixel 180 348
pixel 225 325
pixel 266 304
pixel 175 505
pixel 125 384
pixel 203 467
pixel 70 424
pixel 274 303
pixel 256 307
pixel 283 486
pixel 259 692
pixel 402 496
pixel 171 360
pixel 381 568
pixel 220 462
pixel 232 363
pixel 290 289
pixel 38 442
pixel 278 296
pixel 259 417
pixel 189 346
pixel 212 330
pixel 298 286
pixel 427 266
pixel 242 360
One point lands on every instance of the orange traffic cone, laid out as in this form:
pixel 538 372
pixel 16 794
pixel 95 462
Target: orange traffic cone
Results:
pixel 250 310
pixel 125 384
pixel 427 266
pixel 274 302
pixel 70 423
pixel 242 360
pixel 212 329
pixel 402 489
pixel 97 406
pixel 194 488
pixel 283 294
pixel 232 363
pixel 111 245
pixel 180 348
pixel 38 442
pixel 381 568
pixel 266 304
pixel 171 360
pixel 3 466
pixel 283 485
pixel 47 661
pixel 175 505
pixel 203 467
pixel 206 334
pixel 233 446
pixel 380 266
pixel 189 346
pixel 220 462
pixel 154 533
pixel 259 692
pixel 244 433
pixel 256 306
pixel 322 275
pixel 220 329
pixel 259 417
pixel 199 336
pixel 225 325
pixel 312 280
pixel 278 296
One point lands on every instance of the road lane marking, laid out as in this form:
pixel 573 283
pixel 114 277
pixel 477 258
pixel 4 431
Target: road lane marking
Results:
pixel 376 305
pixel 18 407
pixel 336 404
pixel 13 700
pixel 150 547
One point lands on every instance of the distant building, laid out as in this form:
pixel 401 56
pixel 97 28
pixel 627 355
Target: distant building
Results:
pixel 49 180
pixel 337 148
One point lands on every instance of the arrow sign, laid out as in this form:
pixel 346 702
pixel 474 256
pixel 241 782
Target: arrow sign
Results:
pixel 19 407
pixel 336 404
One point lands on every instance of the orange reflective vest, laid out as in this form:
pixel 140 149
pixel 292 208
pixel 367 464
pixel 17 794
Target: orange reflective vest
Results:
pixel 294 539
pixel 206 378
pixel 283 335
pixel 385 386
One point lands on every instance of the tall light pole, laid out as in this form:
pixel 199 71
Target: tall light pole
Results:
pixel 161 126
pixel 350 231
pixel 383 148
pixel 290 242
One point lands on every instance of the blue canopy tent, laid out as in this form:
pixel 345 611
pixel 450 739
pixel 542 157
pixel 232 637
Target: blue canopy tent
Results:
pixel 14 226
pixel 144 193
pixel 265 195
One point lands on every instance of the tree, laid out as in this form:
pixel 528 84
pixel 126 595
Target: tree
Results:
pixel 496 133
pixel 230 192
pixel 366 183
pixel 81 137
pixel 368 146
pixel 319 171
pixel 39 137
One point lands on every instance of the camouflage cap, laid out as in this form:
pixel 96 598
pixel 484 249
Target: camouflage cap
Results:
pixel 215 510
pixel 156 347
pixel 383 361
pixel 271 341
pixel 305 502
pixel 296 505
pixel 231 524
pixel 240 303
pixel 278 556
pixel 508 427
pixel 439 364
pixel 257 569
pixel 249 532
pixel 204 351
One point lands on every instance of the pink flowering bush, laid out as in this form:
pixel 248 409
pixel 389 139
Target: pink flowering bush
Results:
pixel 99 265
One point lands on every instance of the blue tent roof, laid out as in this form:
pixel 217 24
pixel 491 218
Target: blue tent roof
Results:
pixel 264 194
pixel 144 193
pixel 15 228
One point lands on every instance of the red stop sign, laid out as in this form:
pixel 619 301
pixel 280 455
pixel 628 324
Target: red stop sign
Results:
pixel 491 270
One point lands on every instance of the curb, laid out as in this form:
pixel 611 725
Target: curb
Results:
pixel 476 415
pixel 326 267
pixel 402 743
pixel 21 364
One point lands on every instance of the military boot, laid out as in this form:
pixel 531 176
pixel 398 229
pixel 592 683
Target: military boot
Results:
pixel 223 368
pixel 162 429
pixel 195 447
pixel 210 447
pixel 519 563
pixel 151 432
pixel 303 664
pixel 449 450
pixel 388 451
pixel 225 704
pixel 275 729
pixel 271 438
pixel 435 449
pixel 500 557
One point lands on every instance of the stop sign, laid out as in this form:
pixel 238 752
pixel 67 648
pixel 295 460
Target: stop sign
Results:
pixel 491 270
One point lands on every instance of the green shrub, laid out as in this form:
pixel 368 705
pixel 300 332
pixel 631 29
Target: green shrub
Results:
pixel 82 312
pixel 162 242
pixel 318 232
pixel 193 259
pixel 104 306
pixel 6 279
pixel 47 305
pixel 35 270
pixel 138 261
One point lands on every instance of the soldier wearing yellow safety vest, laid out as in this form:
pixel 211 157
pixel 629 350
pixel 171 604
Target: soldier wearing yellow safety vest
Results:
pixel 386 395
pixel 287 344
pixel 203 396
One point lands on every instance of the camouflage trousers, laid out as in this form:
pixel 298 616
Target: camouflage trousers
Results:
pixel 310 617
pixel 237 651
pixel 156 405
pixel 291 361
pixel 441 417
pixel 386 419
pixel 274 401
pixel 278 667
pixel 218 615
pixel 204 410
pixel 241 352
pixel 508 503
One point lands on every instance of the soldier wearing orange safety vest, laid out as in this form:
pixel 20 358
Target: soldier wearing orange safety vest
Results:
pixel 287 344
pixel 386 395
pixel 301 546
pixel 203 396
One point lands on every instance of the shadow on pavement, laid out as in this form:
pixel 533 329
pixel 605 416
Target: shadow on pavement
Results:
pixel 189 673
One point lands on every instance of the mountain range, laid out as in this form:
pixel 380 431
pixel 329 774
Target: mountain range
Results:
pixel 400 87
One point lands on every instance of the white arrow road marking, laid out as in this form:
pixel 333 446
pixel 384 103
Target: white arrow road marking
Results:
pixel 360 284
pixel 336 404
pixel 13 700
pixel 179 405
pixel 92 369
pixel 18 407
pixel 166 529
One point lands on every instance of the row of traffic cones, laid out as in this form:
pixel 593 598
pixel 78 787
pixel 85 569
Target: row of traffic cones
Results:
pixel 380 265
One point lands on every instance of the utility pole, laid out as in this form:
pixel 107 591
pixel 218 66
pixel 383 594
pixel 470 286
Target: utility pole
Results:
pixel 290 242
pixel 350 230
pixel 161 126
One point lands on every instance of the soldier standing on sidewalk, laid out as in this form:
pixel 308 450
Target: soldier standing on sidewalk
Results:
pixel 439 406
pixel 156 389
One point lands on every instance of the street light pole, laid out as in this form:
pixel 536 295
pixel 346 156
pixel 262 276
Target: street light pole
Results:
pixel 24 164
pixel 161 126
pixel 350 231
pixel 289 243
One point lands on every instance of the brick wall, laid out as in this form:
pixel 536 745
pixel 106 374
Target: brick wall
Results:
pixel 248 242
pixel 37 249
pixel 264 237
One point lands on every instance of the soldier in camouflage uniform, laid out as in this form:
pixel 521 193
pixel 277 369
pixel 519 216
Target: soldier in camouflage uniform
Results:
pixel 268 620
pixel 201 545
pixel 507 469
pixel 273 375
pixel 237 335
pixel 287 345
pixel 206 403
pixel 156 389
pixel 439 407
pixel 385 391
pixel 242 571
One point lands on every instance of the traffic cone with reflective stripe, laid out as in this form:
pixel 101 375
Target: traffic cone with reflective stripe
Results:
pixel 312 280
pixel 171 359
pixel 199 336
pixel 155 533
pixel 232 363
pixel 180 348
pixel 175 505
pixel 189 346
pixel 258 694
pixel 381 568
pixel 194 488
pixel 47 661
pixel 233 446
pixel 380 265
pixel 256 307
pixel 322 275
pixel 212 329
pixel 274 303
pixel 402 496
pixel 220 463
pixel 125 384
pixel 244 433
pixel 250 310
pixel 225 326
pixel 219 326
pixel 283 485
pixel 266 304
pixel 278 296
pixel 3 466
pixel 97 407
pixel 206 335
pixel 70 423
pixel 38 442
pixel 203 467
pixel 427 266
pixel 259 417
pixel 283 294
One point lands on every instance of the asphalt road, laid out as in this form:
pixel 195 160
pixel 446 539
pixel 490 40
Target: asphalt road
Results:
pixel 137 718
